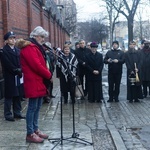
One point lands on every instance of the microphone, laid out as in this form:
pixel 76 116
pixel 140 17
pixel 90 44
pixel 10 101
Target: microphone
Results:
pixel 60 51
pixel 47 45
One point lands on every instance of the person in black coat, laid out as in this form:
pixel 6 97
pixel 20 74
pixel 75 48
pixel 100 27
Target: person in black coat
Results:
pixel 94 64
pixel 145 70
pixel 115 59
pixel 66 72
pixel 50 60
pixel 12 74
pixel 133 62
pixel 81 56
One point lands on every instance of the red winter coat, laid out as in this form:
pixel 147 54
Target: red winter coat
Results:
pixel 34 70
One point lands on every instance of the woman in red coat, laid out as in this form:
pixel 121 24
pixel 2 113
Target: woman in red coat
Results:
pixel 35 72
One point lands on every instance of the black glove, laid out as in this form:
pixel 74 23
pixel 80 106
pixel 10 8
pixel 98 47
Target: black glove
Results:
pixel 18 72
pixel 46 83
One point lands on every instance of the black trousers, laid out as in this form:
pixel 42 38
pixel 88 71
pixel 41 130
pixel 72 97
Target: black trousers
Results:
pixel 146 84
pixel 65 95
pixel 95 91
pixel 70 89
pixel 114 85
pixel 84 82
pixel 133 92
pixel 15 103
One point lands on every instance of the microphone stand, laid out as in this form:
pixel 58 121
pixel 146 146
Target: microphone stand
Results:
pixel 75 135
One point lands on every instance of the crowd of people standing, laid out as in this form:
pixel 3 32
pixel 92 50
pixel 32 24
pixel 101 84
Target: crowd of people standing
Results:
pixel 28 66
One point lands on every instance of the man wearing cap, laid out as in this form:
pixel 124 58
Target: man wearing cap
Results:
pixel 94 64
pixel 12 72
pixel 115 59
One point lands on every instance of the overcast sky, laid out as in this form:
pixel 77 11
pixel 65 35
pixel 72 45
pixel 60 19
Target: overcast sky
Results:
pixel 87 9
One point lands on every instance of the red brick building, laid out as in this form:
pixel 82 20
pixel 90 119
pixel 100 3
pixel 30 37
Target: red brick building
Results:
pixel 22 16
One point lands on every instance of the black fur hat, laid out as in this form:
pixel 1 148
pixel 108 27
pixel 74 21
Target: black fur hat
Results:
pixel 94 44
pixel 115 42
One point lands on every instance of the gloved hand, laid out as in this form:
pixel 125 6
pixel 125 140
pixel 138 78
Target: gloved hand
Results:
pixel 18 72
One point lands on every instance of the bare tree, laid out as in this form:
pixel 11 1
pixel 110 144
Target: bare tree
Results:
pixel 128 9
pixel 113 15
pixel 93 30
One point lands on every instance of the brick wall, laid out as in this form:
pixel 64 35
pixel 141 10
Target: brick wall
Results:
pixel 22 16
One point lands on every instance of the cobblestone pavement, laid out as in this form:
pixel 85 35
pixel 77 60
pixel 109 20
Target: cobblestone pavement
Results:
pixel 89 124
pixel 130 119
pixel 109 126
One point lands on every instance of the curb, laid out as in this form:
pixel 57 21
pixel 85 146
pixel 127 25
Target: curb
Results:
pixel 118 142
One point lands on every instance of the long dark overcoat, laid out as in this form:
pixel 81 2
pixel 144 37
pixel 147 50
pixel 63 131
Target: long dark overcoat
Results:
pixel 95 62
pixel 10 62
pixel 145 70
pixel 132 57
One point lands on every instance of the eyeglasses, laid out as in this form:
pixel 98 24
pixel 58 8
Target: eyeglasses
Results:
pixel 81 43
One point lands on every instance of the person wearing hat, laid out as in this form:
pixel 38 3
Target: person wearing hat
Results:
pixel 142 44
pixel 12 72
pixel 77 45
pixel 115 59
pixel 94 64
pixel 36 73
pixel 133 61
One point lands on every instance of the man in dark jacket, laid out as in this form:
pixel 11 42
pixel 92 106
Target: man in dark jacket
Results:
pixel 12 74
pixel 81 56
pixel 133 62
pixel 94 64
pixel 115 59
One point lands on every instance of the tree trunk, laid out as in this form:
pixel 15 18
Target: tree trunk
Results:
pixel 130 29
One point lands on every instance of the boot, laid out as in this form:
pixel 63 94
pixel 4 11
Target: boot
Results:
pixel 41 135
pixel 33 138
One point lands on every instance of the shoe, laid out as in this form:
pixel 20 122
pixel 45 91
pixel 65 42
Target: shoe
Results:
pixel 91 101
pixel 34 138
pixel 137 100
pixel 19 117
pixel 85 93
pixel 65 101
pixel 10 119
pixel 82 98
pixel 47 99
pixel 52 96
pixel 41 135
pixel 116 100
pixel 109 101
pixel 99 101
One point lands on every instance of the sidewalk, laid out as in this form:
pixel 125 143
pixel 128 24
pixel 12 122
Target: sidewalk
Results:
pixel 110 126
pixel 89 124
